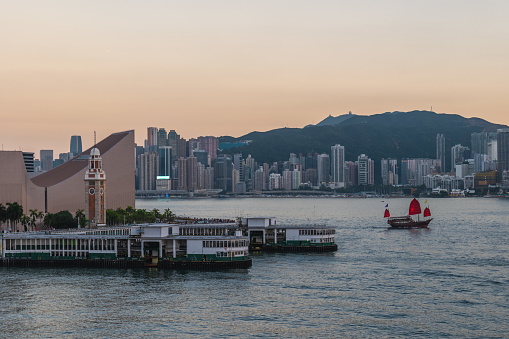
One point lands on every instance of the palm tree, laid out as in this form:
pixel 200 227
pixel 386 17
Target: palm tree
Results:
pixel 156 213
pixel 14 213
pixel 80 217
pixel 25 221
pixel 168 215
pixel 33 217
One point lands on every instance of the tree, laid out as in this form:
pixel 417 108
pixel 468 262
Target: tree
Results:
pixel 25 221
pixel 48 220
pixel 129 211
pixel 168 215
pixel 156 213
pixel 63 219
pixel 14 212
pixel 33 217
pixel 113 217
pixel 40 215
pixel 122 215
pixel 79 218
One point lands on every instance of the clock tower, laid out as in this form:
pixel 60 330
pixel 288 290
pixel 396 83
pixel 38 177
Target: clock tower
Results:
pixel 95 190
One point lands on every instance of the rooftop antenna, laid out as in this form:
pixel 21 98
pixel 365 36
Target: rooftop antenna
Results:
pixel 95 143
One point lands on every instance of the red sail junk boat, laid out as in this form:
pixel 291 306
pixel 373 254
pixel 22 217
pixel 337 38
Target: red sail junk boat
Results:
pixel 408 221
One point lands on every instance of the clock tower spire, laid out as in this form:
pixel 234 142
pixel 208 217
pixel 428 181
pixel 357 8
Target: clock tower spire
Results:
pixel 95 189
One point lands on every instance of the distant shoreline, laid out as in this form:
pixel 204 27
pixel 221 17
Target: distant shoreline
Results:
pixel 305 197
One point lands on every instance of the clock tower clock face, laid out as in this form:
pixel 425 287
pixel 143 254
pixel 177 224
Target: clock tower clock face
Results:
pixel 91 191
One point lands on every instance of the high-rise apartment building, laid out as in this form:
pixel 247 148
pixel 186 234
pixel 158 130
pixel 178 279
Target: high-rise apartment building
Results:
pixel 337 160
pixel 350 173
pixel 413 171
pixel 209 144
pixel 147 171
pixel 459 154
pixel 209 178
pixel 192 145
pixel 287 180
pixel 502 152
pixel 201 175
pixel 202 157
pixel 365 170
pixel 188 174
pixel 480 141
pixel 296 179
pixel 181 147
pixel 76 147
pixel 390 172
pixel 441 151
pixel 259 182
pixel 275 181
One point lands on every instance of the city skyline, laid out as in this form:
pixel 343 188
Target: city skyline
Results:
pixel 228 68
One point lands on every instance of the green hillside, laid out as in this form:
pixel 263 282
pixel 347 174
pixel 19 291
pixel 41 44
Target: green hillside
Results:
pixel 388 135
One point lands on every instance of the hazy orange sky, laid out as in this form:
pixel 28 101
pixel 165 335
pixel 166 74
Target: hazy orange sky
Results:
pixel 232 67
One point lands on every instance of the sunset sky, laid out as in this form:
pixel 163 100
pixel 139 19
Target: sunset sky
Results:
pixel 231 67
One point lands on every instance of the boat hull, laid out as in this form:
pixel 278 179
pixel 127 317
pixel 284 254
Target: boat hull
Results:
pixel 408 223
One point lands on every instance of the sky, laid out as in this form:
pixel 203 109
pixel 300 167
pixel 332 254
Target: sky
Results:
pixel 233 67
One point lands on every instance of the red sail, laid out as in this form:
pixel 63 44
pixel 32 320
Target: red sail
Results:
pixel 427 212
pixel 415 207
pixel 387 214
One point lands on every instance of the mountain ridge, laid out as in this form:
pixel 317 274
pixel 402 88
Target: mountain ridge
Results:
pixel 386 135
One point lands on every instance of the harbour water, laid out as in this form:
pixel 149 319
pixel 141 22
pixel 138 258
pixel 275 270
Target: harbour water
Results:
pixel 451 280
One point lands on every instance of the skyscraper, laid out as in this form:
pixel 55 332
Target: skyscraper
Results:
pixel 337 161
pixel 323 164
pixel 502 152
pixel 162 138
pixel 441 151
pixel 165 156
pixel 223 171
pixel 76 147
pixel 238 164
pixel 46 157
pixel 152 136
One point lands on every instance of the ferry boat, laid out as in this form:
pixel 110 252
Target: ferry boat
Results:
pixel 265 235
pixel 192 246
